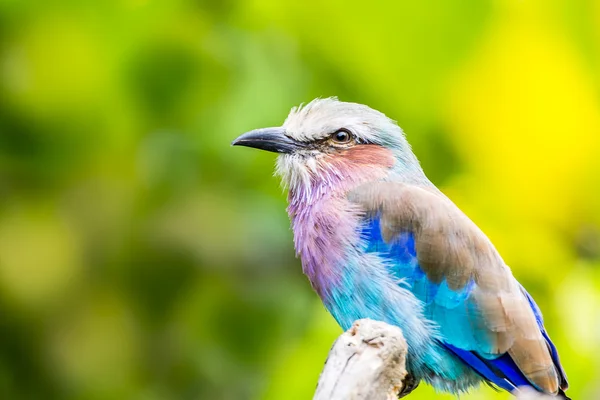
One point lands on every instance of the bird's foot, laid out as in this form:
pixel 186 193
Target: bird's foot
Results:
pixel 409 383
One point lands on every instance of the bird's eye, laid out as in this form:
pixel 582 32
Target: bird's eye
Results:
pixel 341 136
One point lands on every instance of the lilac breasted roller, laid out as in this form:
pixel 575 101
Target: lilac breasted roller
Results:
pixel 378 240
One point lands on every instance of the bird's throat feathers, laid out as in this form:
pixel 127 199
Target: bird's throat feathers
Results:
pixel 324 222
pixel 312 176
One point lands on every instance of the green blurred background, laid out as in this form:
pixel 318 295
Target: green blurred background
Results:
pixel 141 257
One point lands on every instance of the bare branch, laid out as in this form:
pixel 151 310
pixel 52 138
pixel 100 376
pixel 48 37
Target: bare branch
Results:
pixel 366 362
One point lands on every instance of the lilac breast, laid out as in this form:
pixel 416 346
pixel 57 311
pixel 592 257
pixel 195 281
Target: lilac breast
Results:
pixel 325 224
pixel 324 231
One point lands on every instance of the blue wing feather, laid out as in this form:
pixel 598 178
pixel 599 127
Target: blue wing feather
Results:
pixel 452 310
pixel 447 307
pixel 502 371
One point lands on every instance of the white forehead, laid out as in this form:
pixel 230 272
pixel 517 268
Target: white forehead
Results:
pixel 322 117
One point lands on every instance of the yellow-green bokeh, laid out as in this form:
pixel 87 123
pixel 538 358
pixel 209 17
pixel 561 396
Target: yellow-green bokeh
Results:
pixel 141 257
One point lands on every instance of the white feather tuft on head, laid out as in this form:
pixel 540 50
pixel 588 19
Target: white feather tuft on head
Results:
pixel 320 119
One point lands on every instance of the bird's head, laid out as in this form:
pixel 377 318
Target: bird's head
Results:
pixel 329 144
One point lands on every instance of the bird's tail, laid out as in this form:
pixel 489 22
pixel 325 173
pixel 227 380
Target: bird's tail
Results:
pixel 562 395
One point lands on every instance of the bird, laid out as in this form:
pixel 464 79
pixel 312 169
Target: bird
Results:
pixel 377 239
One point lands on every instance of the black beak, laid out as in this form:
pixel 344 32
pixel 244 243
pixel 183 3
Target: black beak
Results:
pixel 269 139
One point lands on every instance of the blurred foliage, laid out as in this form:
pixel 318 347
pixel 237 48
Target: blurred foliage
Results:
pixel 143 258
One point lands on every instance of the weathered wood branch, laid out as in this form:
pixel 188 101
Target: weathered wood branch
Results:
pixel 367 362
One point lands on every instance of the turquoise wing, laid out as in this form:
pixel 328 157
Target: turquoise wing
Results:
pixel 483 314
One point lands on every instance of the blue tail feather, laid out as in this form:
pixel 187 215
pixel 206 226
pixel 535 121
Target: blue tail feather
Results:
pixel 502 371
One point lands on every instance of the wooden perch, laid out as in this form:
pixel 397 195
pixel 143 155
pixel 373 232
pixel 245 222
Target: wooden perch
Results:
pixel 367 362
